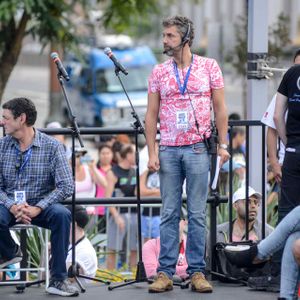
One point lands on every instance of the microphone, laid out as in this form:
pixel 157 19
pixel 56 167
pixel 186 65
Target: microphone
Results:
pixel 170 50
pixel 60 66
pixel 117 64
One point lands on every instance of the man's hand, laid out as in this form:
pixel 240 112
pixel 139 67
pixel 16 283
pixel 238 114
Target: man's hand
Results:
pixel 153 163
pixel 16 210
pixel 276 169
pixel 224 156
pixel 27 213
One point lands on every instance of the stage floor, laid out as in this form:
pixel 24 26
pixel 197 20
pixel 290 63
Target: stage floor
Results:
pixel 139 291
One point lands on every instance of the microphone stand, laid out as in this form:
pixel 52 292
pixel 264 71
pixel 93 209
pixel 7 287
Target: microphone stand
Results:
pixel 73 270
pixel 138 127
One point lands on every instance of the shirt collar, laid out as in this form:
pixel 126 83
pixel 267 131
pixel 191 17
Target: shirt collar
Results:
pixel 36 140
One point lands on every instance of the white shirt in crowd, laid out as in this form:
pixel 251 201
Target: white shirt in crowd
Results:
pixel 267 119
pixel 85 256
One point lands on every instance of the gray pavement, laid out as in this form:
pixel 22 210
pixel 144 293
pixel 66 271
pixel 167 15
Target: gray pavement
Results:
pixel 139 291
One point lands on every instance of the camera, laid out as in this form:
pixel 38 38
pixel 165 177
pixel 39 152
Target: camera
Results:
pixel 212 142
pixel 86 159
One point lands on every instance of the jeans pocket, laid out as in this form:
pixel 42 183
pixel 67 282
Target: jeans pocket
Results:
pixel 199 148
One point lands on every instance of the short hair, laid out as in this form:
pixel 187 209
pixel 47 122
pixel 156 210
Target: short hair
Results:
pixel 127 148
pixel 19 106
pixel 297 53
pixel 81 216
pixel 234 116
pixel 182 24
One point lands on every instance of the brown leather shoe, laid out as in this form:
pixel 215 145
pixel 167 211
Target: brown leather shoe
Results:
pixel 162 284
pixel 200 284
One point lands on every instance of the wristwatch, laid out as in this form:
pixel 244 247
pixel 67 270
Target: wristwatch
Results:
pixel 223 146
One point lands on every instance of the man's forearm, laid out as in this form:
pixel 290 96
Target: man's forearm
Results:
pixel 222 126
pixel 272 138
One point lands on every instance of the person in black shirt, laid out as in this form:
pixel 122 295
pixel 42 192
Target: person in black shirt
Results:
pixel 122 183
pixel 288 98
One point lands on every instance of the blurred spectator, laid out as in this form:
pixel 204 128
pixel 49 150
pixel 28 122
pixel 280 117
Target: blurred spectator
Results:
pixel 105 155
pixel 60 137
pixel 122 183
pixel 151 253
pixel 149 187
pixel 238 155
pixel 234 116
pixel 87 176
pixel 85 254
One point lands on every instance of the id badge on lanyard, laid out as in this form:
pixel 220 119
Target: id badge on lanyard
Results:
pixel 20 197
pixel 19 194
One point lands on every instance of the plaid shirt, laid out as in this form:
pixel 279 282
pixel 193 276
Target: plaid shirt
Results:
pixel 46 178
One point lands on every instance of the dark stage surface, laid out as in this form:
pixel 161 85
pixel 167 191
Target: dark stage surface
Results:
pixel 140 291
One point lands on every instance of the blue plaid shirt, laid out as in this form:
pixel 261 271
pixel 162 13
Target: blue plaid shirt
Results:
pixel 46 178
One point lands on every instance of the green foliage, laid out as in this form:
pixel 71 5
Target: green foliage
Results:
pixel 52 21
pixel 124 14
pixel 279 36
pixel 278 40
pixel 46 20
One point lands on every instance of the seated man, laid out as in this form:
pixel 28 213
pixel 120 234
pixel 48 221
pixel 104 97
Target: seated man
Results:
pixel 34 177
pixel 151 253
pixel 285 236
pixel 85 254
pixel 239 223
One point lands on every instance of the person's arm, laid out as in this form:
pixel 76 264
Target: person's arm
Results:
pixel 111 181
pixel 97 177
pixel 64 184
pixel 221 116
pixel 144 190
pixel 272 139
pixel 151 129
pixel 280 109
pixel 150 257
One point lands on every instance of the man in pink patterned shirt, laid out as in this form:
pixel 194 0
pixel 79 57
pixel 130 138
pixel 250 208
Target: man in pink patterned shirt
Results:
pixel 181 92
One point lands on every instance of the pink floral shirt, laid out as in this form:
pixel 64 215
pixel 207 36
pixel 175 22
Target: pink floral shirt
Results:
pixel 177 119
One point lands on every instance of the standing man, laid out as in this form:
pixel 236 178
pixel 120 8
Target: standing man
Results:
pixel 185 85
pixel 289 132
pixel 34 176
pixel 276 153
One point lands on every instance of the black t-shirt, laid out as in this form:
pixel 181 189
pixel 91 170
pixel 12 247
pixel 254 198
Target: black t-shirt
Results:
pixel 290 87
pixel 125 185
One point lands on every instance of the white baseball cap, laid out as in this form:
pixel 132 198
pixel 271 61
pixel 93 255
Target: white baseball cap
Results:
pixel 240 194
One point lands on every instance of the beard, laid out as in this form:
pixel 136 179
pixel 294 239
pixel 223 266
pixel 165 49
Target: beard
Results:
pixel 168 51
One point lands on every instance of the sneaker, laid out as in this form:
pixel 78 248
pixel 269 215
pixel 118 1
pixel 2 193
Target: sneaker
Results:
pixel 17 258
pixel 241 255
pixel 265 283
pixel 62 288
pixel 200 284
pixel 162 284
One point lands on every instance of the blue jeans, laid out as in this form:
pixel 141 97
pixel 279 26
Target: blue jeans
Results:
pixel 176 164
pixel 284 235
pixel 57 218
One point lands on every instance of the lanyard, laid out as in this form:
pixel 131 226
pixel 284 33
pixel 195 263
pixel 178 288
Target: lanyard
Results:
pixel 186 79
pixel 24 163
pixel 80 240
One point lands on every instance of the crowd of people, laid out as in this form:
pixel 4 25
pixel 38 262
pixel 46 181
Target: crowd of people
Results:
pixel 185 95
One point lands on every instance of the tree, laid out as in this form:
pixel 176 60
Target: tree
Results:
pixel 49 21
pixel 278 40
